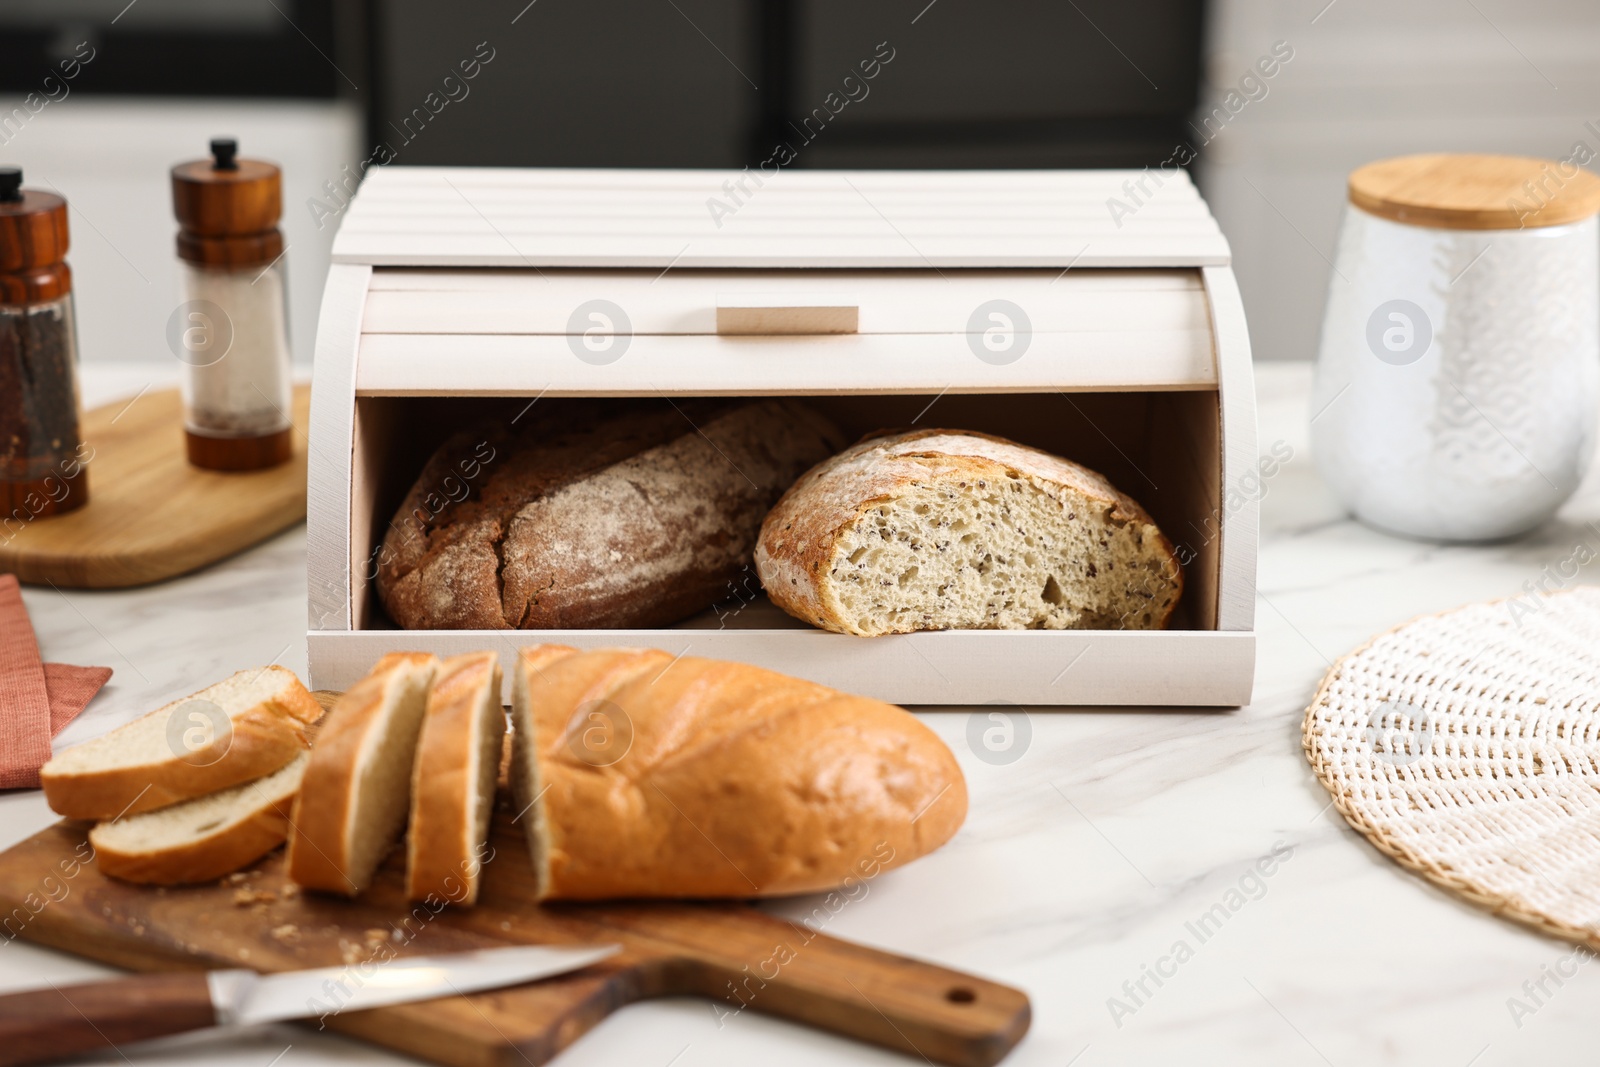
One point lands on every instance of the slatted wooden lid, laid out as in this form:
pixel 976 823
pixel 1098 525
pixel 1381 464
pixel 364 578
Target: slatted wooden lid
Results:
pixel 1476 192
pixel 484 217
pixel 490 332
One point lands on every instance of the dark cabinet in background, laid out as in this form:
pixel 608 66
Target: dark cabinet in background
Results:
pixel 601 83
pixel 725 83
pixel 257 49
pixel 1023 83
pixel 663 83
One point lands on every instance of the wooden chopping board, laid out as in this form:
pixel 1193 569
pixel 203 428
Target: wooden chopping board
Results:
pixel 150 515
pixel 52 894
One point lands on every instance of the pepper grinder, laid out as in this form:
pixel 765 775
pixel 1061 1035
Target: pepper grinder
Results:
pixel 232 332
pixel 42 457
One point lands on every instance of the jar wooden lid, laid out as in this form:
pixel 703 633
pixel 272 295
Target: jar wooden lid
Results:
pixel 33 242
pixel 1474 192
pixel 228 208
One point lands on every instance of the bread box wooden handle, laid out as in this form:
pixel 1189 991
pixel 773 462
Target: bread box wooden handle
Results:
pixel 786 314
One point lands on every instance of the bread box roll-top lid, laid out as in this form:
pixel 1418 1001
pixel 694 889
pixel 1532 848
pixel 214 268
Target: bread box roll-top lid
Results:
pixel 884 281
pixel 918 220
pixel 228 209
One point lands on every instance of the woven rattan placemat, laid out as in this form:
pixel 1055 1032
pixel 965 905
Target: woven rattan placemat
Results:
pixel 1465 746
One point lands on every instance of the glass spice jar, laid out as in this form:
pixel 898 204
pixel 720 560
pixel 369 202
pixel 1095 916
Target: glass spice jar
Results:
pixel 42 456
pixel 232 331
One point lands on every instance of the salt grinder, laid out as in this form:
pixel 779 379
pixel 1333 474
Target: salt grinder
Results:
pixel 42 457
pixel 232 332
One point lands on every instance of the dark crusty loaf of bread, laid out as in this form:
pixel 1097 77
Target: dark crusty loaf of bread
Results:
pixel 945 529
pixel 603 514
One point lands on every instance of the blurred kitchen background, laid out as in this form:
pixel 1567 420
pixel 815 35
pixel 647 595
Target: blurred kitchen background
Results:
pixel 321 87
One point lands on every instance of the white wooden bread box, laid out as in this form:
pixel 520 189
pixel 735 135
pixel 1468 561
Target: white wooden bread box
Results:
pixel 873 294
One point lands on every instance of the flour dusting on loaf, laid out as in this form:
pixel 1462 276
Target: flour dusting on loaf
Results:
pixel 613 513
pixel 942 529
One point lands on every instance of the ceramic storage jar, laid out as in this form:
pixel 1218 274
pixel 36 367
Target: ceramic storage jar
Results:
pixel 1456 385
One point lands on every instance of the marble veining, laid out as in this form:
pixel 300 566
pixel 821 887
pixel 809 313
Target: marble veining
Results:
pixel 1083 863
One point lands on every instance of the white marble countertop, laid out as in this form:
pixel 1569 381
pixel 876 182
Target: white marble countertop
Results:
pixel 1081 862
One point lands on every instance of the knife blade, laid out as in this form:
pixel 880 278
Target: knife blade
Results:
pixel 246 998
pixel 48 1024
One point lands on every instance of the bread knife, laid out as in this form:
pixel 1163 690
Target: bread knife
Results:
pixel 48 1024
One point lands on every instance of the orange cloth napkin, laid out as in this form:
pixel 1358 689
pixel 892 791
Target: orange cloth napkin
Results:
pixel 37 699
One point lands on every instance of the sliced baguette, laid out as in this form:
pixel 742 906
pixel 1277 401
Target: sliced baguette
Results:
pixel 357 789
pixel 453 780
pixel 641 775
pixel 203 839
pixel 242 728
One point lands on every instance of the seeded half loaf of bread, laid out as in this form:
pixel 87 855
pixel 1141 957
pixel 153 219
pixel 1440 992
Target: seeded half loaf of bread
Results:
pixel 356 792
pixel 201 839
pixel 243 727
pixel 641 774
pixel 944 529
pixel 593 513
pixel 453 780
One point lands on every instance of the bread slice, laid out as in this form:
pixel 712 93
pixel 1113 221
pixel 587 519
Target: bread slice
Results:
pixel 638 774
pixel 453 780
pixel 357 789
pixel 942 529
pixel 244 727
pixel 202 839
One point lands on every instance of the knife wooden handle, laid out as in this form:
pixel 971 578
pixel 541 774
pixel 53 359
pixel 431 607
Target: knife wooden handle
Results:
pixel 51 1024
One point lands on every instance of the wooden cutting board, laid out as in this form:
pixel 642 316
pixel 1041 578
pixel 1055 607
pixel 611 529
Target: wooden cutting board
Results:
pixel 52 894
pixel 150 515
